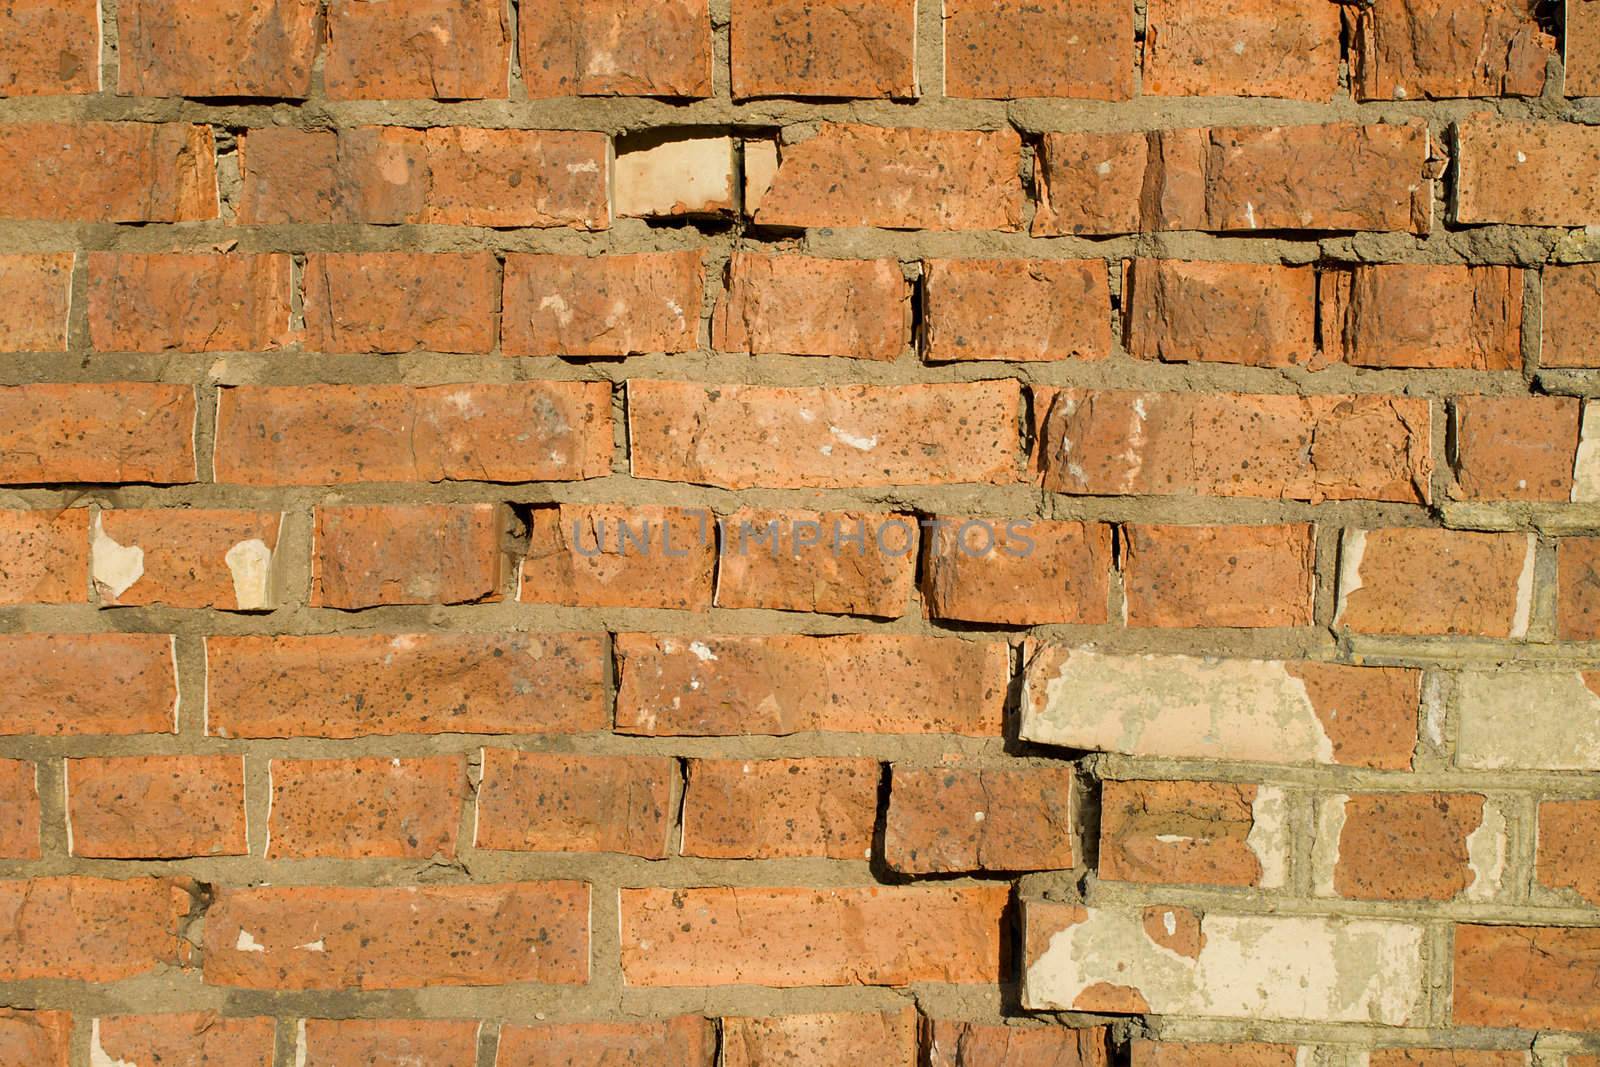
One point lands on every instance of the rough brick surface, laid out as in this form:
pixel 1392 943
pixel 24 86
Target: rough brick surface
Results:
pixel 1420 581
pixel 1571 316
pixel 888 1038
pixel 544 802
pixel 832 562
pixel 613 47
pixel 1582 37
pixel 948 819
pixel 1406 315
pixel 44 556
pixel 1578 588
pixel 1059 48
pixel 603 305
pixel 1555 969
pixel 783 808
pixel 1408 49
pixel 1403 846
pixel 1016 573
pixel 37 290
pixel 19 802
pixel 682 1041
pixel 1203 833
pixel 142 807
pixel 365 808
pixel 1565 861
pixel 398 302
pixel 955 1044
pixel 613 556
pixel 1516 447
pixel 109 172
pixel 36 1037
pixel 51 47
pixel 93 929
pixel 1016 310
pixel 1526 173
pixel 424 554
pixel 153 303
pixel 64 684
pixel 188 559
pixel 229 48
pixel 1218 48
pixel 83 432
pixel 1261 315
pixel 200 1037
pixel 446 1042
pixel 443 49
pixel 1219 575
pixel 805 306
pixel 837 48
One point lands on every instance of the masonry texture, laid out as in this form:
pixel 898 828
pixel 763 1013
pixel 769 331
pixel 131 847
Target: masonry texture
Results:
pixel 726 533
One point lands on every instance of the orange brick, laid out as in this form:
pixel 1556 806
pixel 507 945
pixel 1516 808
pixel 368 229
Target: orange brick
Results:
pixel 1422 581
pixel 1415 315
pixel 35 292
pixel 201 1037
pixel 188 303
pixel 806 306
pixel 35 1038
pixel 603 555
pixel 957 1044
pixel 406 937
pixel 74 684
pixel 1450 1057
pixel 93 929
pixel 48 48
pixel 603 305
pixel 1175 1054
pixel 1090 183
pixel 330 434
pixel 681 1041
pixel 948 819
pixel 223 48
pixel 1217 48
pixel 1516 447
pixel 1406 846
pixel 1566 858
pixel 44 556
pixel 1017 572
pixel 156 807
pixel 1016 309
pixel 784 937
pixel 616 48
pixel 401 302
pixel 19 812
pixel 1581 35
pixel 408 49
pixel 1261 315
pixel 1571 315
pixel 365 808
pixel 1556 971
pixel 887 1039
pixel 1182 832
pixel 781 808
pixel 326 686
pixel 1236 576
pixel 186 558
pixel 1415 49
pixel 108 172
pixel 997 49
pixel 436 1042
pixel 863 683
pixel 551 802
pixel 97 432
pixel 407 554
pixel 834 562
pixel 836 48
pixel 1578 588
pixel 1526 173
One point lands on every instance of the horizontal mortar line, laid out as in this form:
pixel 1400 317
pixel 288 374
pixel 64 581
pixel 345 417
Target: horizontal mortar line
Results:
pixel 1263 903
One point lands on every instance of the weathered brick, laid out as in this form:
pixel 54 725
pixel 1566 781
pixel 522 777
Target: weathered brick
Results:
pixel 35 1038
pixel 1515 447
pixel 843 436
pixel 681 1041
pixel 1115 442
pixel 1413 49
pixel 1189 1054
pixel 781 808
pixel 400 302
pixel 35 293
pixel 1172 961
pixel 358 685
pixel 188 302
pixel 97 432
pixel 186 558
pixel 224 48
pixel 1526 173
pixel 405 937
pixel 887 1038
pixel 44 556
pixel 1571 314
pixel 1090 183
pixel 676 177
pixel 1203 833
pixel 997 49
pixel 92 929
pixel 898 179
pixel 444 175
pixel 436 1042
pixel 1017 572
pixel 1578 588
pixel 1408 846
pixel 616 48
pixel 203 1038
pixel 365 808
pixel 1424 581
pixel 73 684
pixel 407 554
pixel 616 555
pixel 1566 858
pixel 805 306
pixel 1218 48
pixel 406 49
pixel 1418 315
pixel 837 48
pixel 1528 720
pixel 1449 1057
pixel 954 818
pixel 1261 315
pixel 603 305
pixel 1268 711
pixel 862 683
pixel 553 802
pixel 783 937
pixel 1556 970
pixel 108 172
pixel 1581 36
pixel 19 812
pixel 156 807
pixel 325 434
pixel 834 562
pixel 1234 576
pixel 49 47
pixel 1016 309
pixel 960 1044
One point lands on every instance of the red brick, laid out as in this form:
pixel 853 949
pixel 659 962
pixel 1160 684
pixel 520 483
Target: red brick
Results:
pixel 1406 846
pixel 92 929
pixel 1179 833
pixel 1566 857
pixel 156 807
pixel 202 1038
pixel 1017 572
pixel 998 49
pixel 223 48
pixel 962 1044
pixel 1174 1054
pixel 73 684
pixel 1414 49
pixel 401 302
pixel 898 179
pixel 862 683
pixel 97 432
pixel 1578 588
pixel 188 303
pixel 615 555
pixel 603 305
pixel 44 556
pixel 1516 447
pixel 1416 315
pixel 35 293
pixel 49 47
pixel 408 49
pixel 877 935
pixel 1115 443
pixel 1526 173
pixel 1236 576
pixel 682 1041
pixel 551 802
pixel 1261 315
pixel 1556 971
pixel 1450 1057
pixel 886 1039
pixel 805 306
pixel 1581 36
pixel 447 175
pixel 342 1042
pixel 407 554
pixel 35 1038
pixel 841 436
pixel 616 48
pixel 781 808
pixel 406 937
pixel 330 434
pixel 833 48
pixel 1571 314
pixel 1016 309
pixel 359 685
pixel 19 812
pixel 186 558
pixel 1217 48
pixel 365 808
pixel 1423 581
pixel 834 562
pixel 948 819
pixel 1091 183
pixel 108 172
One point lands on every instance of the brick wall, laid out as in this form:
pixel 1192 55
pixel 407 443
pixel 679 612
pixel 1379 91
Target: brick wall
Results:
pixel 1122 583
